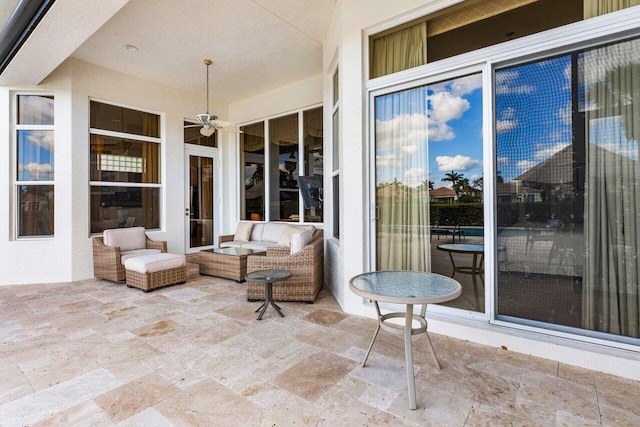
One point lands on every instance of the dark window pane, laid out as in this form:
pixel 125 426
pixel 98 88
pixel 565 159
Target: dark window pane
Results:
pixel 35 110
pixel 313 156
pixel 124 160
pixel 116 207
pixel 252 157
pixel 192 135
pixel 35 210
pixel 283 169
pixel 35 155
pixel 120 119
pixel 336 206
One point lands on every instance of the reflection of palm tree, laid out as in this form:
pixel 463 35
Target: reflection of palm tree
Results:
pixel 478 184
pixel 454 178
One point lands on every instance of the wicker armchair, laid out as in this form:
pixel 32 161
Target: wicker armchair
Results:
pixel 107 260
pixel 306 266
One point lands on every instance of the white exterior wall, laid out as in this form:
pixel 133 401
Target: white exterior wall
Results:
pixel 68 255
pixel 347 39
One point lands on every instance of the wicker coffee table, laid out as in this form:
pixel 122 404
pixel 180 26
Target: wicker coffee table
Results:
pixel 228 263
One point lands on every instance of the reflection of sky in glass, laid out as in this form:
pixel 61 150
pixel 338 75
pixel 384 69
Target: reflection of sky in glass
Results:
pixel 35 155
pixel 608 133
pixel 425 132
pixel 533 114
pixel 35 110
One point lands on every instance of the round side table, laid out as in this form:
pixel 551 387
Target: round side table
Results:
pixel 268 277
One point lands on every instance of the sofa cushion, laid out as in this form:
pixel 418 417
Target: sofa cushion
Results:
pixel 258 245
pixel 243 232
pixel 125 255
pixel 300 240
pixel 273 231
pixel 285 238
pixel 256 232
pixel 154 262
pixel 307 227
pixel 126 239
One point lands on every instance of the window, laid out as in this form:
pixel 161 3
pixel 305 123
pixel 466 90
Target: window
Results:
pixel 35 165
pixel 568 150
pixel 335 124
pixel 124 167
pixel 472 25
pixel 284 158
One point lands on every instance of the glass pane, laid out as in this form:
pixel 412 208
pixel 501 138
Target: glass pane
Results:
pixel 35 155
pixel 35 110
pixel 124 160
pixel 192 135
pixel 540 198
pixel 313 157
pixel 35 210
pixel 120 119
pixel 252 157
pixel 336 87
pixel 428 149
pixel 336 206
pixel 201 201
pixel 117 207
pixel 336 140
pixel 283 169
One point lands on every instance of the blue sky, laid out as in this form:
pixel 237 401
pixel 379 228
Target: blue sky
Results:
pixel 35 155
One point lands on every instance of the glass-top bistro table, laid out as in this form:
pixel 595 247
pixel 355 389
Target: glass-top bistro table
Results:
pixel 409 288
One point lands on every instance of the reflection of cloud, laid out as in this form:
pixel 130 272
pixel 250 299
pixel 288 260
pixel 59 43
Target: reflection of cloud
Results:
pixel 40 138
pixel 565 114
pixel 390 160
pixel 525 165
pixel 36 170
pixel 503 161
pixel 543 152
pixel 446 106
pixel 506 84
pixel 414 177
pixel 459 162
pixel 597 63
pixel 36 110
pixel 505 125
pixel 402 130
pixel 465 85
pixel 609 133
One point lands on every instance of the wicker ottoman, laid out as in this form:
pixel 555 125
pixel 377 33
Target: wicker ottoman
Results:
pixel 148 272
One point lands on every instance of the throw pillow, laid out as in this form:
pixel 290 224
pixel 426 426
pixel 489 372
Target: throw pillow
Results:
pixel 285 237
pixel 300 240
pixel 243 231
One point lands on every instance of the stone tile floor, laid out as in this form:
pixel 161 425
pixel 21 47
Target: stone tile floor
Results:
pixel 95 353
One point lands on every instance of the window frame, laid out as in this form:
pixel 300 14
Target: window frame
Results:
pixel 16 182
pixel 159 140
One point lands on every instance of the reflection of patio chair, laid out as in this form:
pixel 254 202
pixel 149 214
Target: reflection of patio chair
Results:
pixel 447 231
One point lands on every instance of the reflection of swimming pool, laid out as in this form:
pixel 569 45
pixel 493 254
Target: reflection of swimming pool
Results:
pixel 473 231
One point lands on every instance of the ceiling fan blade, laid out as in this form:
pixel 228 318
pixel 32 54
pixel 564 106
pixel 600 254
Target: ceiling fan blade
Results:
pixel 230 129
pixel 192 126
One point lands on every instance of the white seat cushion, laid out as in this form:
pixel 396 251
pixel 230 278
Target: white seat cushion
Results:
pixel 273 231
pixel 256 231
pixel 258 245
pixel 300 240
pixel 285 238
pixel 154 262
pixel 125 238
pixel 232 244
pixel 137 252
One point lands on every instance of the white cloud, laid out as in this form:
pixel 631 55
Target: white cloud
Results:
pixel 445 106
pixel 441 132
pixel 40 138
pixel 465 85
pixel 459 162
pixel 506 84
pixel 525 165
pixel 36 110
pixel 543 152
pixel 402 130
pixel 505 125
pixel 36 170
pixel 503 161
pixel 415 176
pixel 565 114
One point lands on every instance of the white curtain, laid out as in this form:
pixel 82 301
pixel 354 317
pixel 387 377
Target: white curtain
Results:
pixel 611 84
pixel 593 8
pixel 402 196
pixel 400 50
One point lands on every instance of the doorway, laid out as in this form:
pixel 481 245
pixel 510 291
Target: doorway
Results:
pixel 201 171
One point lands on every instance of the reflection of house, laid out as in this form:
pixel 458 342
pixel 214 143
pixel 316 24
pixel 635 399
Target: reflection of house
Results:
pixel 442 194
pixel 554 174
pixel 514 191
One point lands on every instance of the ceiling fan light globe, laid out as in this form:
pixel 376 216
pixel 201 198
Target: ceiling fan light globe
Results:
pixel 207 131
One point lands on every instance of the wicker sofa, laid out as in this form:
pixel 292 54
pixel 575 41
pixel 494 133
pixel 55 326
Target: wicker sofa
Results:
pixel 115 246
pixel 306 266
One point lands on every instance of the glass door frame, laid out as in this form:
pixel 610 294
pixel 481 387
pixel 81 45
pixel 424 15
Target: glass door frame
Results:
pixel 490 240
pixel 212 153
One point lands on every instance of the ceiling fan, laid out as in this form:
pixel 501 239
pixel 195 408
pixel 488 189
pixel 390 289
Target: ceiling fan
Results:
pixel 210 123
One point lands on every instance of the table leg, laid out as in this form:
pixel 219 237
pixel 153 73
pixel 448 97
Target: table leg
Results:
pixel 411 381
pixel 275 306
pixel 453 264
pixel 267 299
pixel 375 334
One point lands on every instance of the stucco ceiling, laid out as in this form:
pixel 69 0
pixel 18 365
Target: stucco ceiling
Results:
pixel 255 45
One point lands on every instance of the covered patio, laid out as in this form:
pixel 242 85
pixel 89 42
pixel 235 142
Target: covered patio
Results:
pixel 97 353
